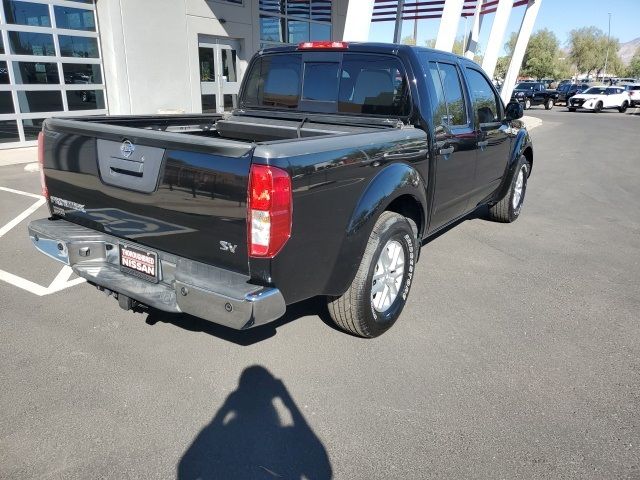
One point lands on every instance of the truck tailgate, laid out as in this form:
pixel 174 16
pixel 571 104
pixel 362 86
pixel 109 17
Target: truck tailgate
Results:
pixel 174 192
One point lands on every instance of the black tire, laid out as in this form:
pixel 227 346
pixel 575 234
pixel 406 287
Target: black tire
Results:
pixel 623 108
pixel 527 104
pixel 548 105
pixel 504 211
pixel 598 107
pixel 354 311
pixel 571 109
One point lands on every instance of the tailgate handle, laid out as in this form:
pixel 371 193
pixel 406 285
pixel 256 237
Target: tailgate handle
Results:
pixel 126 167
pixel 138 170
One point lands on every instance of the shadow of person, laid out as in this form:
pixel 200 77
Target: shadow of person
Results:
pixel 258 433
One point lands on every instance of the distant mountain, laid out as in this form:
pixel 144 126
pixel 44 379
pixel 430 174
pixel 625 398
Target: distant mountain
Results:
pixel 628 49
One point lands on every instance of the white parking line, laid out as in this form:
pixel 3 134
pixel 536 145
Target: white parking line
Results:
pixel 22 216
pixel 20 192
pixel 62 278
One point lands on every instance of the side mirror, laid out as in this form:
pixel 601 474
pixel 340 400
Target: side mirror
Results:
pixel 513 111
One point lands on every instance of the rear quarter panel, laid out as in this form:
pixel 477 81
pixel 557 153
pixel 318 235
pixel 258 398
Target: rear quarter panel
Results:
pixel 330 178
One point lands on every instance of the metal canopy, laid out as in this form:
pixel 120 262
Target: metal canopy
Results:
pixel 387 10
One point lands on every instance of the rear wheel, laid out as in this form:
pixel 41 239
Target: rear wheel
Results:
pixel 548 105
pixel 623 108
pixel 508 209
pixel 598 107
pixel 374 300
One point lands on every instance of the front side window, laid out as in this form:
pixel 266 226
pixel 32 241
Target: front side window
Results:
pixel 485 102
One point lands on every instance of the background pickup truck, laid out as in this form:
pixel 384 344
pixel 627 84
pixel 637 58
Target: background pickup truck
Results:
pixel 339 162
pixel 534 93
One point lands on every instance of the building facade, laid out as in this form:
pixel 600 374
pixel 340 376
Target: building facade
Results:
pixel 49 65
pixel 163 56
pixel 123 57
pixel 136 57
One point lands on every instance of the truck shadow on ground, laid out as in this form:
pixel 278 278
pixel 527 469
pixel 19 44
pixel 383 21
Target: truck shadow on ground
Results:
pixel 315 306
pixel 310 307
pixel 259 432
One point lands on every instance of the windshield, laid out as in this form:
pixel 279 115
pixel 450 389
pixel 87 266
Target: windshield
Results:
pixel 525 86
pixel 595 91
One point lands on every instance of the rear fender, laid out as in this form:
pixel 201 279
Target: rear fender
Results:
pixel 392 182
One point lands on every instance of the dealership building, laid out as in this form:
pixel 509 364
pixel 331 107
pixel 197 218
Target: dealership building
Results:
pixel 121 57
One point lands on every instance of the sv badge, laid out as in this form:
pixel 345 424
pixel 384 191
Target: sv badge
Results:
pixel 227 247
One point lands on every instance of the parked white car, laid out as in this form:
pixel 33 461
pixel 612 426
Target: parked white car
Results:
pixel 634 94
pixel 598 98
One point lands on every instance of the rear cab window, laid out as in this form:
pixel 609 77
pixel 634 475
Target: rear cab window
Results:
pixel 350 83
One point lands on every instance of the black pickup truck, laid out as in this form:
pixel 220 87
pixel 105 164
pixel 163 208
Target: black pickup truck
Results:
pixel 530 94
pixel 339 162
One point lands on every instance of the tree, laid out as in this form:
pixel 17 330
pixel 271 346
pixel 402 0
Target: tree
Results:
pixel 588 50
pixel 502 66
pixel 541 56
pixel 511 44
pixel 408 40
pixel 633 70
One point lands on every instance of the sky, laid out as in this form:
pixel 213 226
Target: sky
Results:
pixel 559 16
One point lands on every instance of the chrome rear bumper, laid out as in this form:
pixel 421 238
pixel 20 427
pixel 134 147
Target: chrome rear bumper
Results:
pixel 208 292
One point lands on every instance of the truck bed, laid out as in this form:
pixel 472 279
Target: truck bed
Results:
pixel 183 183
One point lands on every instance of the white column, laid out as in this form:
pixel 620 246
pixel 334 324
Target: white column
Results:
pixel 358 21
pixel 471 42
pixel 496 37
pixel 449 24
pixel 521 46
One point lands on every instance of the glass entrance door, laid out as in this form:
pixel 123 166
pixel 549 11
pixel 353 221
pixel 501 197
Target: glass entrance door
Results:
pixel 219 79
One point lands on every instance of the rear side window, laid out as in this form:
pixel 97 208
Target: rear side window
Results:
pixel 449 106
pixel 360 84
pixel 486 105
pixel 274 81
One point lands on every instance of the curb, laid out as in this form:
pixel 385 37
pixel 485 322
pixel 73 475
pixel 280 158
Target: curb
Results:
pixel 531 122
pixel 17 156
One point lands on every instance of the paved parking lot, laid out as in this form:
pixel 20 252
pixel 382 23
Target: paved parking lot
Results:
pixel 518 355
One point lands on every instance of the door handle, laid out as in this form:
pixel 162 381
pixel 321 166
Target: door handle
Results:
pixel 408 155
pixel 446 151
pixel 483 144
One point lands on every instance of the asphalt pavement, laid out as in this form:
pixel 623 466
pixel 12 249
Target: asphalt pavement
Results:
pixel 517 356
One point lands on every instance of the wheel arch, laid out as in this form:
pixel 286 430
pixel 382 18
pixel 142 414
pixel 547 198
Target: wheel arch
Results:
pixel 398 188
pixel 521 146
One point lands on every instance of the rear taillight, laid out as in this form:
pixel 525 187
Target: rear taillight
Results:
pixel 43 185
pixel 269 210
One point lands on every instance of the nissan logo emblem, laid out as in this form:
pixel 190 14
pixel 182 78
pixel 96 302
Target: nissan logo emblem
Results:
pixel 127 148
